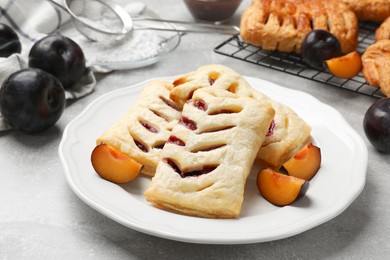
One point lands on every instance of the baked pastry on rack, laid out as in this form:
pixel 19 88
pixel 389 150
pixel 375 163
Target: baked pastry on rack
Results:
pixel 206 161
pixel 283 24
pixel 376 65
pixel 370 10
pixel 143 130
pixel 383 31
pixel 288 133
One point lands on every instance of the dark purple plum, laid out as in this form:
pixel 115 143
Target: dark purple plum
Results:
pixel 59 56
pixel 376 124
pixel 319 46
pixel 31 100
pixel 9 41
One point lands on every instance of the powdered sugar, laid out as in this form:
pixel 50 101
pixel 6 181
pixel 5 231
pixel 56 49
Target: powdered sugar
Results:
pixel 138 45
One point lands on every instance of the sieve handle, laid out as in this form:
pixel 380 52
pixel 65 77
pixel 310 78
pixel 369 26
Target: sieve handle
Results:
pixel 183 26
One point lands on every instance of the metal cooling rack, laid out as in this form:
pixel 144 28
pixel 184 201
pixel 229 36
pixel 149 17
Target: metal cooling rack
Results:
pixel 292 63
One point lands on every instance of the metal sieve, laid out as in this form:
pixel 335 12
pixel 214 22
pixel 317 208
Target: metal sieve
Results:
pixel 99 19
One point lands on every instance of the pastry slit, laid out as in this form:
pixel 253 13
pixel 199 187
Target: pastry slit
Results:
pixel 208 148
pixel 158 114
pixel 225 111
pixel 142 146
pixel 169 103
pixel 217 129
pixel 148 126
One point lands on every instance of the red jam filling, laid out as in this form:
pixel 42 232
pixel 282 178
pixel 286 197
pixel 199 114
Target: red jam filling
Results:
pixel 149 127
pixel 141 146
pixel 201 105
pixel 174 140
pixel 171 163
pixel 169 103
pixel 211 81
pixel 271 128
pixel 188 123
pixel 206 169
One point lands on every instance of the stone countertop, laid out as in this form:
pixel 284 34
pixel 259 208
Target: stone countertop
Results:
pixel 41 218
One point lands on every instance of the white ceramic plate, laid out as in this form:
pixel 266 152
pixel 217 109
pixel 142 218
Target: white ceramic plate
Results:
pixel 339 181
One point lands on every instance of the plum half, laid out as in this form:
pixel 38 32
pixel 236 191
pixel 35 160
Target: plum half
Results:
pixel 280 189
pixel 305 164
pixel 113 165
pixel 347 66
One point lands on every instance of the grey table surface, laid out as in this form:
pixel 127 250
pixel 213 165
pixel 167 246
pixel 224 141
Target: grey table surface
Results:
pixel 41 218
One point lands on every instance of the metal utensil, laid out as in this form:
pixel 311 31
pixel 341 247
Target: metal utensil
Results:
pixel 183 26
pixel 101 20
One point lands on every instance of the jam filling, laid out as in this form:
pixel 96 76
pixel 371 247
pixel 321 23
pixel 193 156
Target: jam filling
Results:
pixel 175 140
pixel 159 114
pixel 149 127
pixel 188 123
pixel 159 146
pixel 169 103
pixel 189 97
pixel 206 169
pixel 271 128
pixel 222 111
pixel 201 105
pixel 171 163
pixel 179 81
pixel 232 88
pixel 213 76
pixel 141 146
pixel 211 81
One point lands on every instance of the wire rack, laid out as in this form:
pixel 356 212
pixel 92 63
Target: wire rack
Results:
pixel 292 63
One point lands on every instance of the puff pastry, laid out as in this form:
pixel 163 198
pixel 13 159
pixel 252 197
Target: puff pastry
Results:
pixel 370 10
pixel 288 132
pixel 376 65
pixel 283 24
pixel 146 126
pixel 383 32
pixel 209 155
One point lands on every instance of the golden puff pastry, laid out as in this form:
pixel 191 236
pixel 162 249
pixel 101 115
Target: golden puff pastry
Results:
pixel 376 65
pixel 383 32
pixel 288 132
pixel 283 24
pixel 205 164
pixel 370 10
pixel 143 130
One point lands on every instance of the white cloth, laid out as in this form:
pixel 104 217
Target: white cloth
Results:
pixel 34 19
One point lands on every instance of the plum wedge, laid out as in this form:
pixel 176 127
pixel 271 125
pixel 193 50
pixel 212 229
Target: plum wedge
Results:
pixel 306 163
pixel 280 189
pixel 114 166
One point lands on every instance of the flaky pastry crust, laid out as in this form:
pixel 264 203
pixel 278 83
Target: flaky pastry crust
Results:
pixel 383 31
pixel 226 133
pixel 283 24
pixel 370 10
pixel 289 131
pixel 131 135
pixel 376 65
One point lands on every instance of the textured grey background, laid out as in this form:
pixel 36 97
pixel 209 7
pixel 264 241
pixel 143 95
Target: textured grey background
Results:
pixel 41 218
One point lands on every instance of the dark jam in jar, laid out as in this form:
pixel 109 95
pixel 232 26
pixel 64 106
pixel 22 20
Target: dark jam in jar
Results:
pixel 212 10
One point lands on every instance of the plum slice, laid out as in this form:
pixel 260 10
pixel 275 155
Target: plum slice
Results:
pixel 113 165
pixel 280 189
